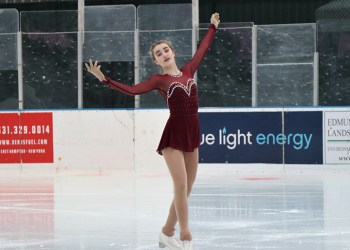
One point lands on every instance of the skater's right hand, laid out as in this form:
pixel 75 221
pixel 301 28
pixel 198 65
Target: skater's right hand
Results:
pixel 95 69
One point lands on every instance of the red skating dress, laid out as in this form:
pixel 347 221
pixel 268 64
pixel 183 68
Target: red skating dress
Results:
pixel 180 92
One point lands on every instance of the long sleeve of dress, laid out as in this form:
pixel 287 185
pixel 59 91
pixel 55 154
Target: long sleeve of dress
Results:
pixel 203 48
pixel 156 82
pixel 140 88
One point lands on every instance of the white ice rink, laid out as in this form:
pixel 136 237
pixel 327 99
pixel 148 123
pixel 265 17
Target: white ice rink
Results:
pixel 231 207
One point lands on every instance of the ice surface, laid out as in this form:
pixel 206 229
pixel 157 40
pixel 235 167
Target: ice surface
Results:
pixel 231 207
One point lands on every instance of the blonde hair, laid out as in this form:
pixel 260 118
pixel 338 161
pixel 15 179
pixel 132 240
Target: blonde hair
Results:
pixel 167 42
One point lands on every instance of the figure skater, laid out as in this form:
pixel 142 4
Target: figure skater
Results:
pixel 180 139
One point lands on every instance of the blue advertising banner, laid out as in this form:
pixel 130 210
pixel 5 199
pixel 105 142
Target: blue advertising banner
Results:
pixel 261 137
pixel 305 130
pixel 240 137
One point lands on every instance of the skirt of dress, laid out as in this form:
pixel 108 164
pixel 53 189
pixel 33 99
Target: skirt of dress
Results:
pixel 181 133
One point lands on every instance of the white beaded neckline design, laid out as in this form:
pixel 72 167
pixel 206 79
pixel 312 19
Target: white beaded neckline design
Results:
pixel 187 88
pixel 174 75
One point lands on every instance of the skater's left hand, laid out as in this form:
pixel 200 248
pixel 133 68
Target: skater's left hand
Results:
pixel 215 19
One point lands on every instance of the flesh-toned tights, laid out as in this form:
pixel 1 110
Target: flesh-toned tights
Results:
pixel 183 170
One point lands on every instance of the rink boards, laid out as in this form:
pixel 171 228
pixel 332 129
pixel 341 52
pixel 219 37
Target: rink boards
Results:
pixel 128 139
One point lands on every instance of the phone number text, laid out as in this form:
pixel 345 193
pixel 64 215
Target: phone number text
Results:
pixel 25 130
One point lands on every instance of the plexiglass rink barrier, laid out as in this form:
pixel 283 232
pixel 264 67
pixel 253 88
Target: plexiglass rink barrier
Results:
pixel 8 59
pixel 247 65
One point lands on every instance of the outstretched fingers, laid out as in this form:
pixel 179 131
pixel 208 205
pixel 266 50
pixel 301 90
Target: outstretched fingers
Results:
pixel 87 67
pixel 92 66
pixel 95 69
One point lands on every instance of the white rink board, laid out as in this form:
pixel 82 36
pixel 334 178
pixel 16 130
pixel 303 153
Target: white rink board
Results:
pixel 100 140
pixel 93 139
pixel 120 139
pixel 148 131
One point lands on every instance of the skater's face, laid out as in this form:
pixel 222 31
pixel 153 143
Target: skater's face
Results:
pixel 163 55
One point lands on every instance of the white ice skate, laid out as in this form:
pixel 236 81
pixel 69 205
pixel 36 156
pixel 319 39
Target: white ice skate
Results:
pixel 170 242
pixel 186 244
